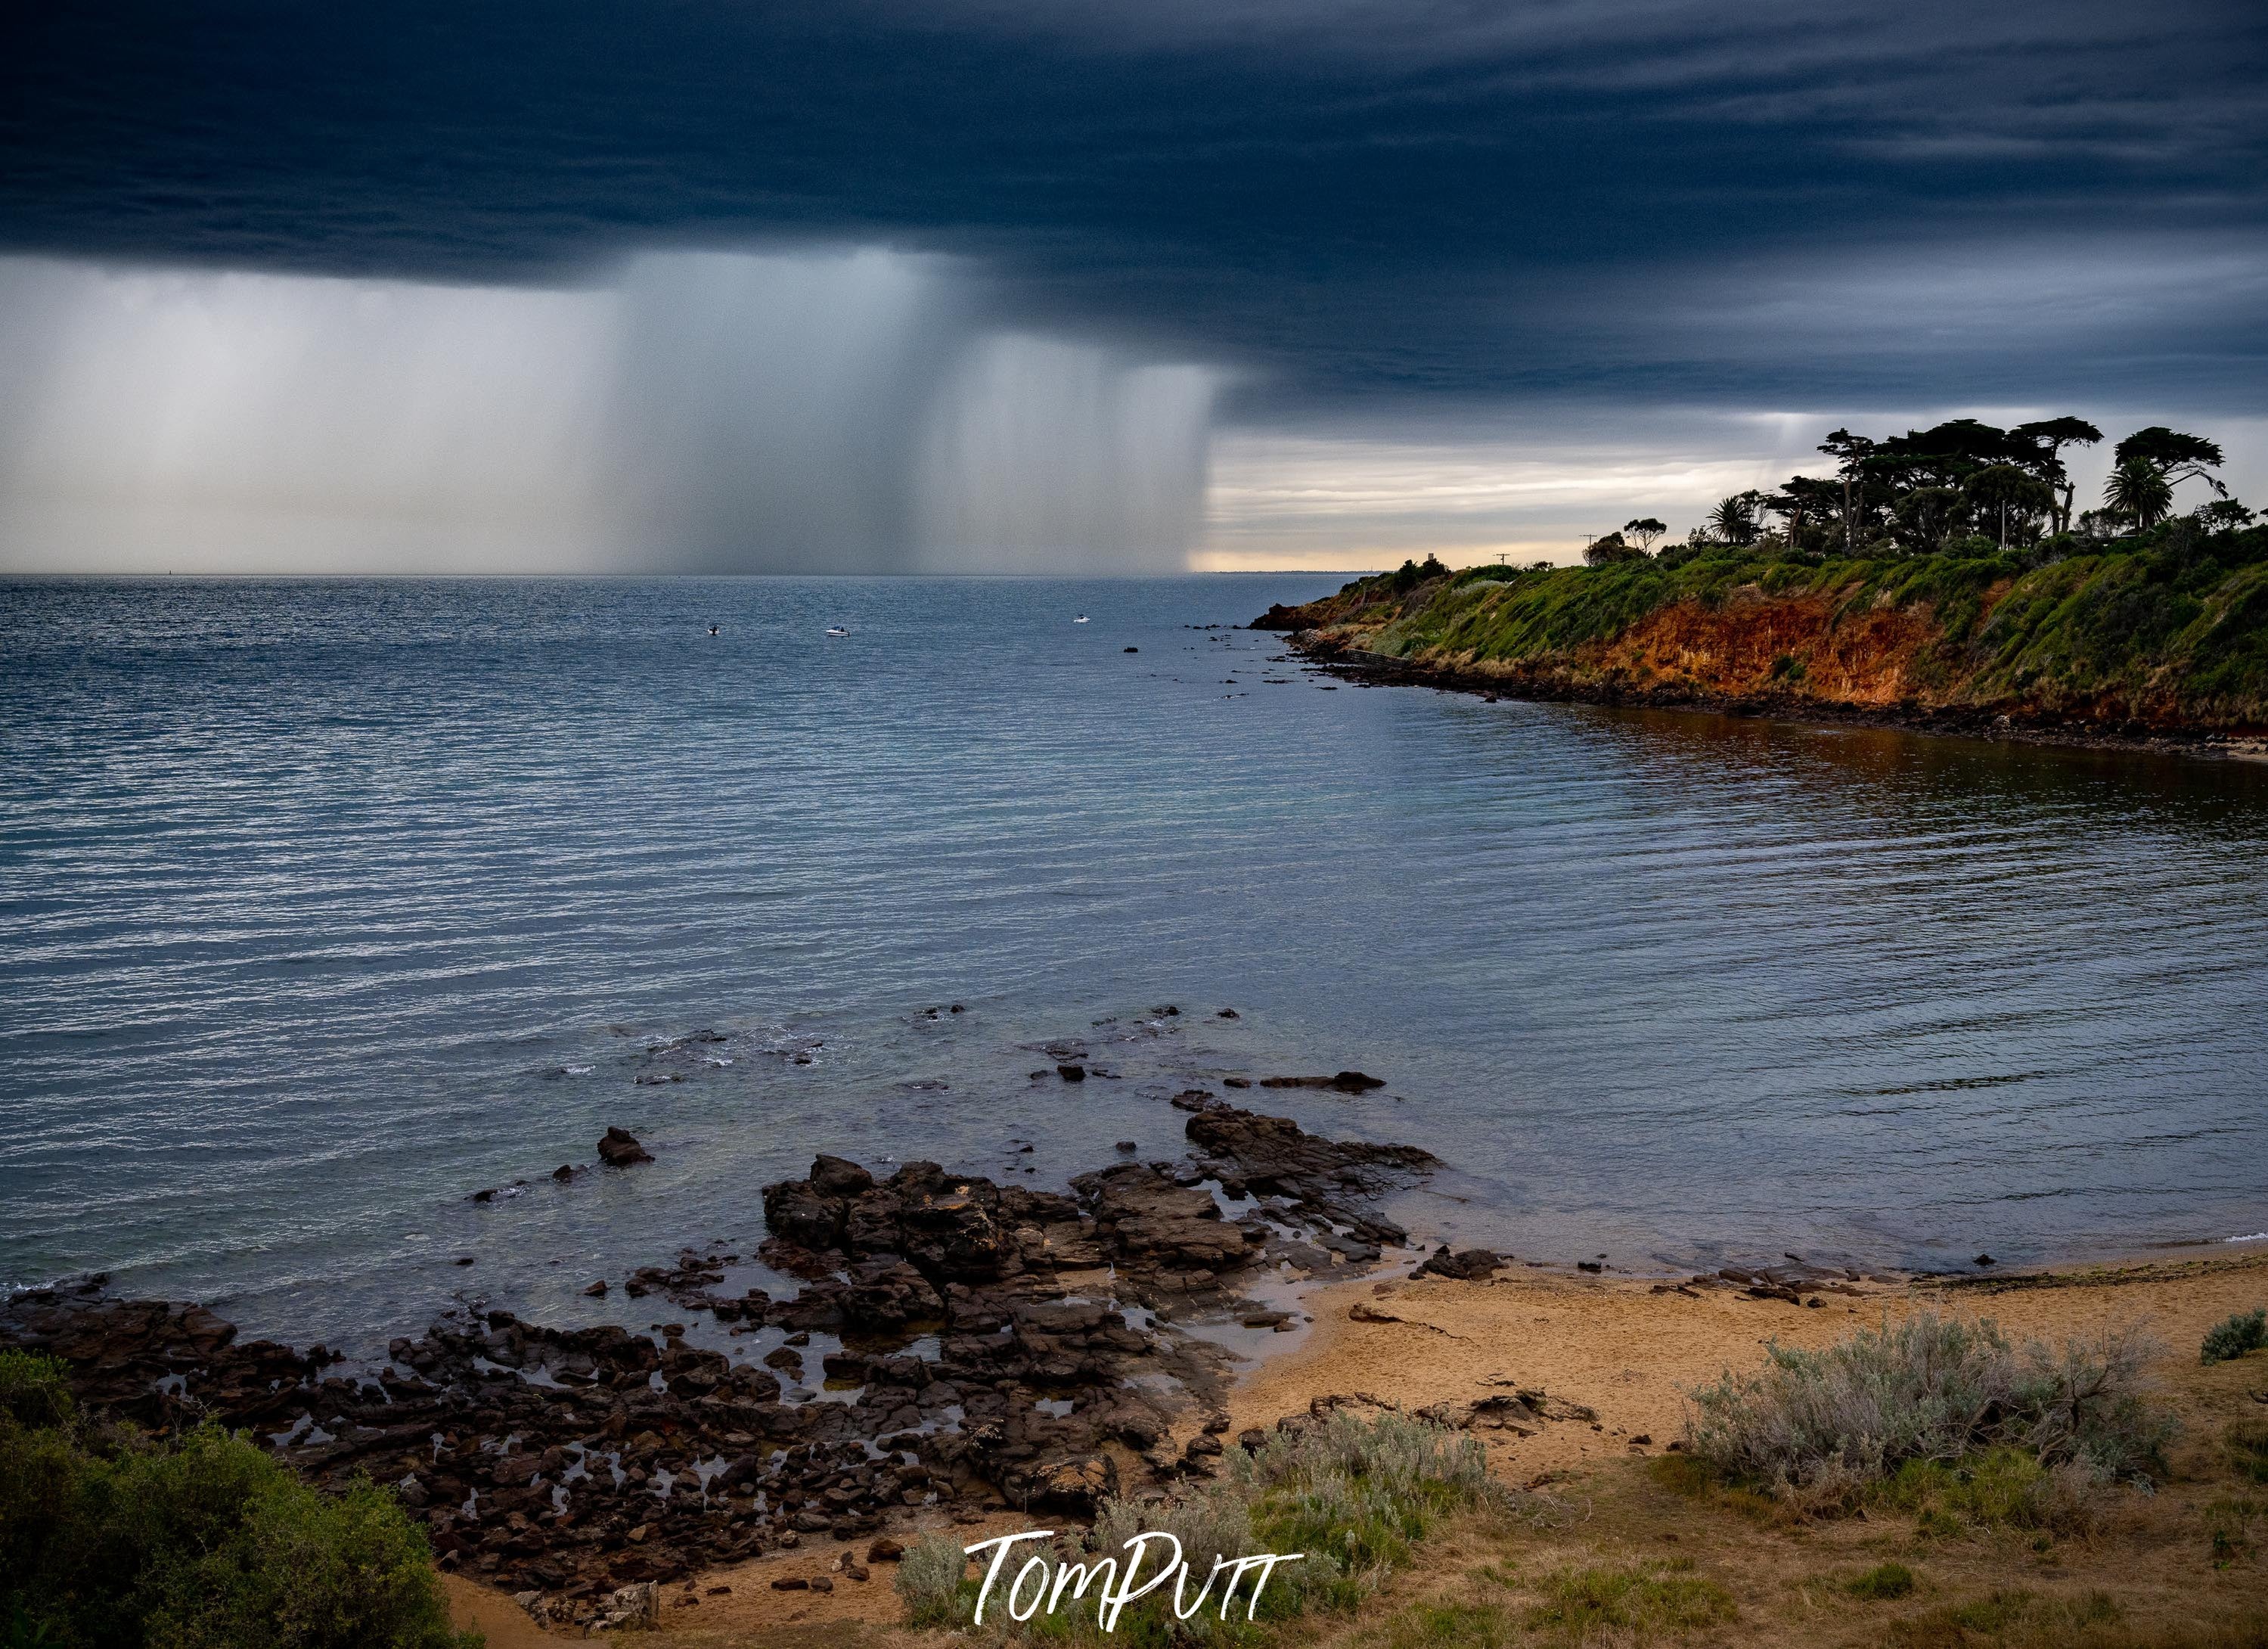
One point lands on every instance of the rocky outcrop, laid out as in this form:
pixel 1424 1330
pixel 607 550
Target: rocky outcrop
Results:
pixel 1335 1179
pixel 619 1149
pixel 1345 1082
pixel 575 1463
pixel 1146 1220
pixel 1468 1265
pixel 951 1228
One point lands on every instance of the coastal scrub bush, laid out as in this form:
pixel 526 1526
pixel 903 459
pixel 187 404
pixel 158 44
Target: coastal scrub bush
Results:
pixel 34 1390
pixel 1356 1495
pixel 2234 1336
pixel 1353 1495
pixel 110 1541
pixel 933 1583
pixel 2248 1446
pixel 2228 1523
pixel 2001 1487
pixel 1882 1581
pixel 1823 1428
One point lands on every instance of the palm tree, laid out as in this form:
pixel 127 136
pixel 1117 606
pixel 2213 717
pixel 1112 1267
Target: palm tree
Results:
pixel 1734 520
pixel 2140 490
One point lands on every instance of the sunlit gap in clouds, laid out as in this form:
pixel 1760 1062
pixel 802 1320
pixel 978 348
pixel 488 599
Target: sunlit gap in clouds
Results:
pixel 846 410
pixel 1539 483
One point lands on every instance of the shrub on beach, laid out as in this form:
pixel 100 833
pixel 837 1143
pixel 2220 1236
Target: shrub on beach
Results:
pixel 2234 1336
pixel 110 1541
pixel 1822 1428
pixel 932 1582
pixel 1354 1495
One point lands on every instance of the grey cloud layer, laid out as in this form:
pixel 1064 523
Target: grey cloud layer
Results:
pixel 1347 201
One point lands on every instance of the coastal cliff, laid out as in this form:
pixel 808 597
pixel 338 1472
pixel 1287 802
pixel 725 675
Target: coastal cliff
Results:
pixel 2163 635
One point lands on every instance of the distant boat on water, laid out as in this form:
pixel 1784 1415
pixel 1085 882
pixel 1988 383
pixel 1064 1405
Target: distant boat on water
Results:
pixel 837 630
pixel 1081 619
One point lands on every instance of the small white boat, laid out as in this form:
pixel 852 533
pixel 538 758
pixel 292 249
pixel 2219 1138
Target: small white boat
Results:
pixel 837 630
pixel 1081 619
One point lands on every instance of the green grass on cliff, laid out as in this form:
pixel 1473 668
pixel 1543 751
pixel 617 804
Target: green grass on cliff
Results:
pixel 2175 621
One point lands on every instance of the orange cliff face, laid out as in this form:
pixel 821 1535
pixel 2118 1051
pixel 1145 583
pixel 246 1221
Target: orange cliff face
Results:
pixel 1833 648
pixel 1762 648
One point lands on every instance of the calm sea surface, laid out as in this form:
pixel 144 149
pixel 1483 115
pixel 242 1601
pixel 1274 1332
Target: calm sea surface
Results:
pixel 323 905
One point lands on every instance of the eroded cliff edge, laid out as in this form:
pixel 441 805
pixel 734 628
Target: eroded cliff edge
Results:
pixel 2160 640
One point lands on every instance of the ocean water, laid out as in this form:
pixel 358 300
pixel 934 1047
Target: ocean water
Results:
pixel 325 904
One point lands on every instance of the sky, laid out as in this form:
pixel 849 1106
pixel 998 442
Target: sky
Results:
pixel 1017 285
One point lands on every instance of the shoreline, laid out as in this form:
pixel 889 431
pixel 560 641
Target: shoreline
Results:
pixel 958 1349
pixel 998 1358
pixel 1569 1382
pixel 1614 1356
pixel 1370 669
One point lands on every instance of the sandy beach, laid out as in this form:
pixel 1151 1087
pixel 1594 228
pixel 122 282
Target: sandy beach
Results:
pixel 1612 1358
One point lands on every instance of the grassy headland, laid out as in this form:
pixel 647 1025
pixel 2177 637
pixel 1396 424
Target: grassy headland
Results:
pixel 2166 631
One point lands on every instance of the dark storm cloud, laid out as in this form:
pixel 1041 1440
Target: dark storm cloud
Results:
pixel 1351 201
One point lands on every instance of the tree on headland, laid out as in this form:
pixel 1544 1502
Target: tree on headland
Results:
pixel 1605 552
pixel 1999 492
pixel 2174 456
pixel 1850 453
pixel 1411 574
pixel 1948 487
pixel 1734 520
pixel 1926 517
pixel 2138 491
pixel 2050 436
pixel 1810 507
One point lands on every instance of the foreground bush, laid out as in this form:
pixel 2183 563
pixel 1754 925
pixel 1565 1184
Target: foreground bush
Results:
pixel 2234 1336
pixel 1823 1427
pixel 108 1542
pixel 1354 1495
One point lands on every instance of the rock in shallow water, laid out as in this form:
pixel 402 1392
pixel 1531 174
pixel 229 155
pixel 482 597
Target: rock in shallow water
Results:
pixel 619 1149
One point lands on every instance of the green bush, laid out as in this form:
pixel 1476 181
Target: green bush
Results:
pixel 1825 1427
pixel 933 1581
pixel 108 1542
pixel 1354 1495
pixel 2234 1336
pixel 2248 1446
pixel 1883 1581
pixel 1994 1488
pixel 34 1390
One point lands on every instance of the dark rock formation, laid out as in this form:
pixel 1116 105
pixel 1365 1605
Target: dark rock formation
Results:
pixel 1273 1156
pixel 577 1462
pixel 619 1149
pixel 1471 1265
pixel 1345 1082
